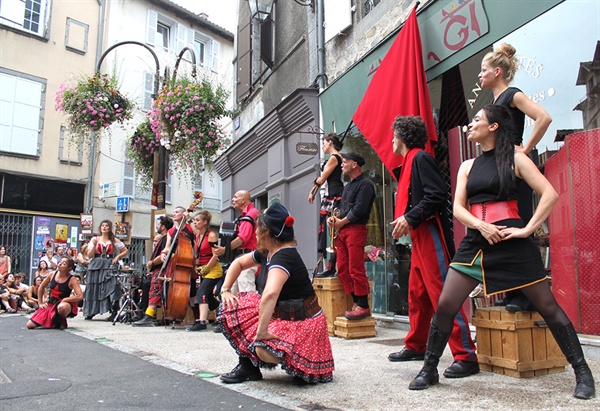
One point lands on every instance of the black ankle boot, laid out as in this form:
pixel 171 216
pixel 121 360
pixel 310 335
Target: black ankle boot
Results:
pixel 244 371
pixel 567 340
pixel 435 347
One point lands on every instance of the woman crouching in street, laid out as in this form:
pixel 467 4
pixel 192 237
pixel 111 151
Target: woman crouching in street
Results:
pixel 284 323
pixel 61 303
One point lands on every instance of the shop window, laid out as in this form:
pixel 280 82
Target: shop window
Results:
pixel 28 16
pixel 21 113
pixel 76 36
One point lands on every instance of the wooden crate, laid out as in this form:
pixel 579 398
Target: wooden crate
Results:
pixel 332 298
pixel 516 344
pixel 350 329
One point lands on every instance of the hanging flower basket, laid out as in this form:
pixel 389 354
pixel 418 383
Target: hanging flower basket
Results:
pixel 140 152
pixel 185 119
pixel 92 104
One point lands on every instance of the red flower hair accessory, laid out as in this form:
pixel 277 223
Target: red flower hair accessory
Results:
pixel 289 221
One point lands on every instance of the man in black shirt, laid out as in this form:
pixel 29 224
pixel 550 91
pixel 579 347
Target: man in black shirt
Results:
pixel 355 208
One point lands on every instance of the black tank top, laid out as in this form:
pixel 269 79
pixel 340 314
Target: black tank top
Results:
pixel 518 117
pixel 483 184
pixel 335 187
pixel 59 291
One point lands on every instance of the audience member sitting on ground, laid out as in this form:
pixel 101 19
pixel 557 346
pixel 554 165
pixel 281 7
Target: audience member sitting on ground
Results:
pixel 43 269
pixel 33 292
pixel 61 303
pixel 16 294
pixel 5 296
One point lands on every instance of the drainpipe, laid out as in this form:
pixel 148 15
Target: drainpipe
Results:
pixel 89 192
pixel 321 76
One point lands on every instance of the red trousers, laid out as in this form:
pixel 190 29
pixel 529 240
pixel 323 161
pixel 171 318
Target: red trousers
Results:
pixel 350 246
pixel 428 270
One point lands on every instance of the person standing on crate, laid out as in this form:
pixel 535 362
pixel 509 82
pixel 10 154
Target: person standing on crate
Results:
pixel 498 69
pixel 355 209
pixel 421 212
pixel 282 323
pixel 245 240
pixel 499 250
pixel 153 267
pixel 331 173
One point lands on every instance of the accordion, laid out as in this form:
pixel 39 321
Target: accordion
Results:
pixel 227 232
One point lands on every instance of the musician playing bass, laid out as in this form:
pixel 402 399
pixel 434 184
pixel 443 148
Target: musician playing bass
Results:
pixel 187 232
pixel 245 241
pixel 156 286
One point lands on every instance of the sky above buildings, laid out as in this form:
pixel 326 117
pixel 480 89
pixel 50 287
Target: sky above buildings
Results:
pixel 221 12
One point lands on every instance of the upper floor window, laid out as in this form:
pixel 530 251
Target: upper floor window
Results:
pixel 133 188
pixel 21 113
pixel 25 15
pixel 160 31
pixel 206 51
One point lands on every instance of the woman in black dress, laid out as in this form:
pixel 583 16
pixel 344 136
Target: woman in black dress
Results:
pixel 331 173
pixel 499 250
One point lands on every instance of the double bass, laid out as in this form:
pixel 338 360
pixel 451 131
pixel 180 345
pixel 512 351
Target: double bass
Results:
pixel 176 289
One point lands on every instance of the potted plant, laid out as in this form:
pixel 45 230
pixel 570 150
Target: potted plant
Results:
pixel 93 104
pixel 185 119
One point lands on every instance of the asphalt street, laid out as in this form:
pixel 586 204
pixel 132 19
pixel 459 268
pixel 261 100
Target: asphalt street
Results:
pixel 56 370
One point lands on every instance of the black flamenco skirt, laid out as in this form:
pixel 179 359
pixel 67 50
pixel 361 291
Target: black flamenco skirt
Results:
pixel 304 349
pixel 505 266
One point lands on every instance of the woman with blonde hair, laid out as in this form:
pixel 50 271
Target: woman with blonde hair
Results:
pixel 498 70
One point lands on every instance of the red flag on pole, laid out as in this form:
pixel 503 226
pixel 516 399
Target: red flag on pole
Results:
pixel 398 88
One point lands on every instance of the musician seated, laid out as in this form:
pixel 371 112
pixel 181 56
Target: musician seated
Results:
pixel 284 323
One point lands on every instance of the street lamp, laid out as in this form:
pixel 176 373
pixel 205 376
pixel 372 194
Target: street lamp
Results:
pixel 260 9
pixel 90 184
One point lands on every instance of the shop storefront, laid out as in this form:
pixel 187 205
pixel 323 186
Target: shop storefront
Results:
pixel 552 39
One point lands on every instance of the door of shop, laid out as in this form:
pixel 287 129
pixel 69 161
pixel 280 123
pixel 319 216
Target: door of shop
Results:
pixel 16 234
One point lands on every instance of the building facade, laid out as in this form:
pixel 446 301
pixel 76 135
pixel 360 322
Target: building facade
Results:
pixel 42 177
pixel 46 182
pixel 166 29
pixel 278 59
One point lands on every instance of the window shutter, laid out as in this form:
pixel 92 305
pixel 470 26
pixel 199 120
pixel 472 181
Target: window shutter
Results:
pixel 168 188
pixel 244 61
pixel 181 38
pixel 216 49
pixel 13 11
pixel 128 179
pixel 148 90
pixel 191 35
pixel 151 23
pixel 266 42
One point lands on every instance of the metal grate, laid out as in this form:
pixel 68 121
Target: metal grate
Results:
pixel 16 234
pixel 137 253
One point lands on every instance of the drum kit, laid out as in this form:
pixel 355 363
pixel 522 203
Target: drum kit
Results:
pixel 130 282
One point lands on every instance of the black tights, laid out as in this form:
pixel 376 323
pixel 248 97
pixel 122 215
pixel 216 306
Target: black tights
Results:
pixel 458 286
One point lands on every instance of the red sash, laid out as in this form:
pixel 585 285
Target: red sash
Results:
pixel 404 182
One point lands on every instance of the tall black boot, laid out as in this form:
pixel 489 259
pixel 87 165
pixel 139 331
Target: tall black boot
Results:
pixel 436 342
pixel 567 340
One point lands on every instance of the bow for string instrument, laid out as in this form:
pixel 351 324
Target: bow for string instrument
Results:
pixel 176 289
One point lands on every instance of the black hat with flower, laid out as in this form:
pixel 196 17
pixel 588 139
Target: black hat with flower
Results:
pixel 280 222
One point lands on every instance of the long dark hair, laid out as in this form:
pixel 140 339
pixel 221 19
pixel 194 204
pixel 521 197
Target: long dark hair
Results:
pixel 505 149
pixel 111 234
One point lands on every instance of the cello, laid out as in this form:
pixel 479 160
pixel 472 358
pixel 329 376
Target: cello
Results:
pixel 176 290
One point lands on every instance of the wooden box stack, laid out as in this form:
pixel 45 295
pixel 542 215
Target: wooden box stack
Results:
pixel 516 344
pixel 350 329
pixel 332 299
